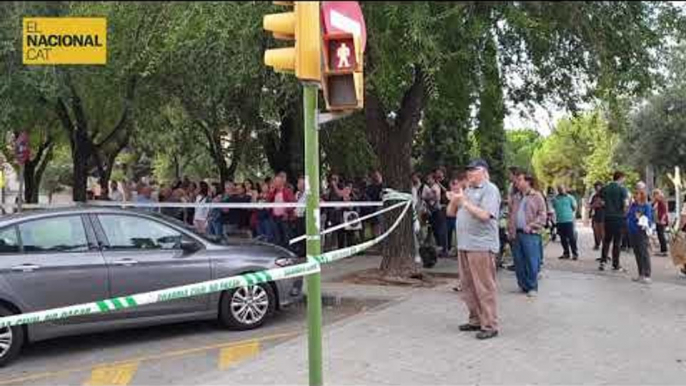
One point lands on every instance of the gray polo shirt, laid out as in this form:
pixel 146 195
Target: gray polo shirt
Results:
pixel 474 235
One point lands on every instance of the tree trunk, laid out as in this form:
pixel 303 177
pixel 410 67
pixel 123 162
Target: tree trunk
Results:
pixel 393 145
pixel 35 168
pixel 399 250
pixel 81 155
pixel 284 150
pixel 104 181
pixel 223 168
pixel 31 185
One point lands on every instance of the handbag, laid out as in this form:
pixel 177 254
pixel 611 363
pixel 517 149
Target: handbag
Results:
pixel 678 249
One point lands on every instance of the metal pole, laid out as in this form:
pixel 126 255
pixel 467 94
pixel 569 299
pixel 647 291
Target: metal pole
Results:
pixel 314 246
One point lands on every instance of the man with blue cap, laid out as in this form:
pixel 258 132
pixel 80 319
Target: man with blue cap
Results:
pixel 478 242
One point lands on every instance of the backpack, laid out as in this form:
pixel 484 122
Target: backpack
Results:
pixel 677 249
pixel 427 250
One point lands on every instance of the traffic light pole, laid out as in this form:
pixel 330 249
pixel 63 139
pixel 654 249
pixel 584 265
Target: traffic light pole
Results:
pixel 314 246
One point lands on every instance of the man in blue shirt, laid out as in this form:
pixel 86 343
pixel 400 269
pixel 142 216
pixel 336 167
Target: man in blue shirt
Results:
pixel 565 212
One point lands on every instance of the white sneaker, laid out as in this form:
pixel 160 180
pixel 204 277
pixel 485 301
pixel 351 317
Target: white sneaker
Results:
pixel 646 280
pixel 532 294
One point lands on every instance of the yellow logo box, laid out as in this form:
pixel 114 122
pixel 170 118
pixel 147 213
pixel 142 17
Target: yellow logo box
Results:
pixel 64 40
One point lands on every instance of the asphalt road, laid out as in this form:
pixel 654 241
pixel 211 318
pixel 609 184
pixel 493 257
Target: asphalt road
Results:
pixel 163 355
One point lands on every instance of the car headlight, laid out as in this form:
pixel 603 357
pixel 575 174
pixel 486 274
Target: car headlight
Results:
pixel 286 261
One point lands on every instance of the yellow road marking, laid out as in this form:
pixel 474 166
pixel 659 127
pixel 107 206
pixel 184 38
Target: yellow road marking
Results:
pixel 120 375
pixel 229 356
pixel 171 354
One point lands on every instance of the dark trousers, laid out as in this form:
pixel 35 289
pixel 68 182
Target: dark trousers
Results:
pixel 639 241
pixel 345 238
pixel 661 237
pixel 626 242
pixel 438 226
pixel 283 232
pixel 450 231
pixel 598 232
pixel 613 235
pixel 299 248
pixel 567 238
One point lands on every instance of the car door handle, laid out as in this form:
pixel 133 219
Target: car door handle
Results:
pixel 125 262
pixel 25 268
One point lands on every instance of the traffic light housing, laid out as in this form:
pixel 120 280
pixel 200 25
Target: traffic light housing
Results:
pixel 304 26
pixel 343 78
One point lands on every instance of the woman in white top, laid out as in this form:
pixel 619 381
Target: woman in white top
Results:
pixel 200 216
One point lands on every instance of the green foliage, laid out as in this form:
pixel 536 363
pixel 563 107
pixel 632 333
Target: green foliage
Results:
pixel 490 132
pixel 345 149
pixel 655 133
pixel 203 61
pixel 520 148
pixel 58 174
pixel 581 50
pixel 579 152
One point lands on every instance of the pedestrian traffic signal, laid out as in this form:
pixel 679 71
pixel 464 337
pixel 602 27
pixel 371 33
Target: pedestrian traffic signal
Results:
pixel 343 81
pixel 303 26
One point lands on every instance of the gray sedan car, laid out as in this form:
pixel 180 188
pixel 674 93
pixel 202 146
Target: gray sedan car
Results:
pixel 70 256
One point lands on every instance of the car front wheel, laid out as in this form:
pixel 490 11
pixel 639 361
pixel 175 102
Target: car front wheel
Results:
pixel 245 308
pixel 11 340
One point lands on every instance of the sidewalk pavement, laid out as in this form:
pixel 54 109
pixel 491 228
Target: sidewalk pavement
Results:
pixel 582 328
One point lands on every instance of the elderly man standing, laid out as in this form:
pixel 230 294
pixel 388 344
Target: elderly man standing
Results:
pixel 527 219
pixel 478 243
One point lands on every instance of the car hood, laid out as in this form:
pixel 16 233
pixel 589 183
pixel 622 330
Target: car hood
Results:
pixel 254 247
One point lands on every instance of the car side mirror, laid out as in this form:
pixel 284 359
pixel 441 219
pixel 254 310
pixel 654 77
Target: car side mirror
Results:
pixel 189 246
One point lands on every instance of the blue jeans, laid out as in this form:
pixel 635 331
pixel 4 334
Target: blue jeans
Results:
pixel 526 251
pixel 215 226
pixel 266 229
pixel 438 223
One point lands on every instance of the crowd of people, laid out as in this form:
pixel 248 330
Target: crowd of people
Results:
pixel 465 211
pixel 275 225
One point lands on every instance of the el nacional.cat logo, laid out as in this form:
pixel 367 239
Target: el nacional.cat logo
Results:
pixel 64 40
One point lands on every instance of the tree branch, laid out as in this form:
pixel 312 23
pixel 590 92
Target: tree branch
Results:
pixel 63 115
pixel 77 105
pixel 413 102
pixel 128 102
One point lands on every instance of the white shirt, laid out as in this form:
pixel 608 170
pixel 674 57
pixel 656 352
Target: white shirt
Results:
pixel 301 198
pixel 201 212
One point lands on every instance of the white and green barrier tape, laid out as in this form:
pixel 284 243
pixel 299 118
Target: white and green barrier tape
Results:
pixel 164 295
pixel 313 265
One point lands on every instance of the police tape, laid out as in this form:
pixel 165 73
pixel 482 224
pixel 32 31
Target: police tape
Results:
pixel 338 254
pixel 313 265
pixel 349 223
